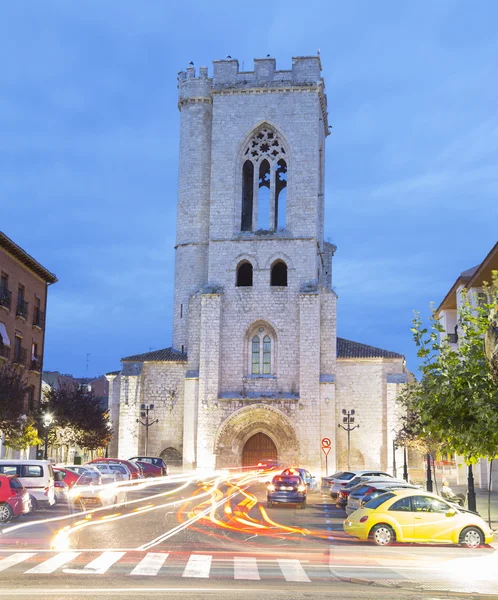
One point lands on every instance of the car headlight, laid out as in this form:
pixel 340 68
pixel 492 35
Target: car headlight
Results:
pixel 301 488
pixel 271 488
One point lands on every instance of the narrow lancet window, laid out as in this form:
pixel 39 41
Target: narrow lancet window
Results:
pixel 244 275
pixel 264 196
pixel 255 356
pixel 266 355
pixel 247 196
pixel 279 274
pixel 280 194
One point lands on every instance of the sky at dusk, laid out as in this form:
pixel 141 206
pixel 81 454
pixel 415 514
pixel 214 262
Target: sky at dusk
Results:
pixel 89 153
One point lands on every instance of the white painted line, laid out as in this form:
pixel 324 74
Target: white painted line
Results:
pixel 292 570
pixel 98 566
pixel 198 565
pixel 328 521
pixel 245 568
pixel 15 559
pixel 54 563
pixel 110 592
pixel 150 564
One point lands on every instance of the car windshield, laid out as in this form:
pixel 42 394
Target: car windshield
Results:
pixel 376 502
pixel 286 480
pixel 16 484
pixel 347 476
pixel 87 479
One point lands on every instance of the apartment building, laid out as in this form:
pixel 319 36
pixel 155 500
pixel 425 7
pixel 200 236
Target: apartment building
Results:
pixel 23 307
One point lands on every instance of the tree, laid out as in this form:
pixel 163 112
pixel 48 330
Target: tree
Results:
pixel 13 390
pixel 25 437
pixel 456 401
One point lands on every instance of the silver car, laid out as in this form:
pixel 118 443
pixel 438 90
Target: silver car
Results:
pixel 345 477
pixel 368 486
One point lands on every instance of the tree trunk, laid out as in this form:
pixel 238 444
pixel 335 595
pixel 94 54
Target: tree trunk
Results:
pixel 489 492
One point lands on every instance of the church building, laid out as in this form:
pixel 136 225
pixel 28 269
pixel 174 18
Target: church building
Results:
pixel 255 370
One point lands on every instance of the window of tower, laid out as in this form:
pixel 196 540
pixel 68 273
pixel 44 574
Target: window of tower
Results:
pixel 244 274
pixel 280 194
pixel 264 195
pixel 255 355
pixel 279 274
pixel 261 346
pixel 247 195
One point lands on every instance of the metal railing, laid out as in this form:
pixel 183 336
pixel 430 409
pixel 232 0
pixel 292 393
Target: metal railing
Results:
pixel 22 308
pixel 20 355
pixel 38 318
pixel 36 364
pixel 5 298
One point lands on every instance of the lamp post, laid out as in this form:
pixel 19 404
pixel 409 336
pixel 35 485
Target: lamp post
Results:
pixel 348 420
pixel 471 492
pixel 145 408
pixel 394 458
pixel 109 427
pixel 405 465
pixel 48 419
pixel 429 473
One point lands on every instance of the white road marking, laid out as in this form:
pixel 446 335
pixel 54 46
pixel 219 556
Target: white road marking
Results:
pixel 150 564
pixel 245 567
pixel 292 570
pixel 54 563
pixel 199 565
pixel 98 566
pixel 15 559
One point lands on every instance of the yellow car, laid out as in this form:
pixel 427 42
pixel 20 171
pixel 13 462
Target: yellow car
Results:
pixel 408 515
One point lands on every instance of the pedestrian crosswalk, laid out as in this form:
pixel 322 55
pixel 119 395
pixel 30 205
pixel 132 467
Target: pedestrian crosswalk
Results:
pixel 151 564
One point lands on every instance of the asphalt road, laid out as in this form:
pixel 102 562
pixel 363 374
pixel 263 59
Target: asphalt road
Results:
pixel 194 538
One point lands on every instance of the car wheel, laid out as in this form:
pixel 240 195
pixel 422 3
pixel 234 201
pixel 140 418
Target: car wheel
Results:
pixel 471 537
pixel 382 535
pixel 269 504
pixel 6 513
pixel 34 503
pixel 303 505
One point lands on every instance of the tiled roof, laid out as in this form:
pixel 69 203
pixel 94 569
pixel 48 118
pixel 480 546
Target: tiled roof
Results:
pixel 469 272
pixel 113 373
pixel 164 355
pixel 349 349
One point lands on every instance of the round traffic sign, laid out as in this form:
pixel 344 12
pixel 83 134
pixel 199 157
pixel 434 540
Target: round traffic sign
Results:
pixel 326 443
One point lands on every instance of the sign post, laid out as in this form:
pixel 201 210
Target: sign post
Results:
pixel 326 443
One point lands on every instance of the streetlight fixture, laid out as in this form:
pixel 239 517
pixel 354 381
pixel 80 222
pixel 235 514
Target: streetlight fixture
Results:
pixel 145 408
pixel 348 420
pixel 47 420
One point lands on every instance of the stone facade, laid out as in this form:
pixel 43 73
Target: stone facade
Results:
pixel 259 356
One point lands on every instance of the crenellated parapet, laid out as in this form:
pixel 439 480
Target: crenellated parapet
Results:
pixel 192 88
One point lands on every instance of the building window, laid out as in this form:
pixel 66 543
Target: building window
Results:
pixel 22 305
pixel 5 293
pixel 279 274
pixel 244 275
pixel 264 182
pixel 31 398
pixel 261 351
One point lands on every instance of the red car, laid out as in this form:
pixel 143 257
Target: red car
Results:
pixel 134 469
pixel 69 477
pixel 149 470
pixel 156 461
pixel 14 498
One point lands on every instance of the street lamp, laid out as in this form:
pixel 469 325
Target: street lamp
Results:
pixel 109 428
pixel 145 408
pixel 47 420
pixel 348 420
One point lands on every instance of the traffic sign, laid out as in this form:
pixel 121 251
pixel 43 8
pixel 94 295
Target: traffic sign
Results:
pixel 326 443
pixel 325 450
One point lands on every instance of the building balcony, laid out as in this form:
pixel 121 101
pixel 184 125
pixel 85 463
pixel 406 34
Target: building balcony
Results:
pixel 452 338
pixel 36 364
pixel 20 355
pixel 22 308
pixel 4 351
pixel 5 298
pixel 38 318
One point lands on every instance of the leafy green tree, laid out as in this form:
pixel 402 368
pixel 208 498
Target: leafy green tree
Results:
pixel 25 437
pixel 13 390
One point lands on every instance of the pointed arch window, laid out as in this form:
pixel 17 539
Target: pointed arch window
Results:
pixel 279 274
pixel 244 275
pixel 264 182
pixel 261 351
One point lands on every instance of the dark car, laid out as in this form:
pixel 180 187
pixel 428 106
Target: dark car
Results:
pixel 308 478
pixel 287 489
pixel 152 460
pixel 343 493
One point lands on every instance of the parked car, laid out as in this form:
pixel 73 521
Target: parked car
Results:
pixel 112 472
pixel 345 477
pixel 308 478
pixel 417 516
pixel 69 476
pixel 149 470
pixel 343 493
pixel 152 460
pixel 36 476
pixel 60 487
pixel 87 494
pixel 367 488
pixel 134 469
pixel 14 498
pixel 287 489
pixel 91 470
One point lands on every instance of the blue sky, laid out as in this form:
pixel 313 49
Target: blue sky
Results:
pixel 89 140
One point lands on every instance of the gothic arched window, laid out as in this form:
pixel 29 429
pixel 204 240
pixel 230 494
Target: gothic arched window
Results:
pixel 264 182
pixel 279 274
pixel 261 351
pixel 244 275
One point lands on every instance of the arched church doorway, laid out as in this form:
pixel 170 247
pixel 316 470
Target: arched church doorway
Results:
pixel 258 448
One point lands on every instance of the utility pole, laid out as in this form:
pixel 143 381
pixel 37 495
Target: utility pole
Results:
pixel 145 408
pixel 405 465
pixel 429 473
pixel 86 366
pixel 348 420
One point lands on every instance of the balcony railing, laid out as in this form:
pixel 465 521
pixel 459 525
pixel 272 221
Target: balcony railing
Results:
pixel 5 298
pixel 452 338
pixel 36 364
pixel 39 318
pixel 4 351
pixel 22 308
pixel 20 355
